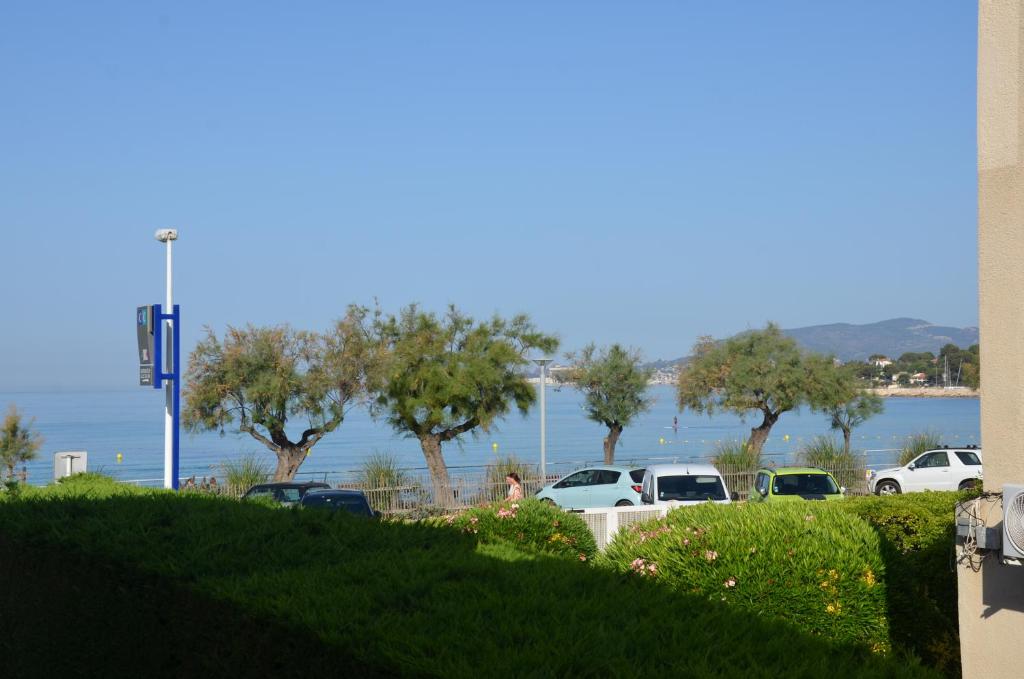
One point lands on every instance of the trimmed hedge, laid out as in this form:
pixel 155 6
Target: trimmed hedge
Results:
pixel 811 564
pixel 917 533
pixel 380 598
pixel 530 525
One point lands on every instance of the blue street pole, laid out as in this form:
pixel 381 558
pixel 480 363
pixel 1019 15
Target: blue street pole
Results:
pixel 174 377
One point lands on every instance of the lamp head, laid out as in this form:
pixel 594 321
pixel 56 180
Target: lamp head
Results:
pixel 164 235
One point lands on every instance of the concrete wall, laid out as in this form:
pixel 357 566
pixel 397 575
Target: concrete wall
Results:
pixel 992 598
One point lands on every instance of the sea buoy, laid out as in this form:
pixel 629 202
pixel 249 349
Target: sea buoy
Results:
pixel 494 447
pixel 661 440
pixel 120 457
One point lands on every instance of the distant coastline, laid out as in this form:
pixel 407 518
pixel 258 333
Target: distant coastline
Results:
pixel 927 392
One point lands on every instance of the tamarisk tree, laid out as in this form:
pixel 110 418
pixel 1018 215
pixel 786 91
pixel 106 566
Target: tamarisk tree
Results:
pixel 614 386
pixel 444 377
pixel 761 372
pixel 264 378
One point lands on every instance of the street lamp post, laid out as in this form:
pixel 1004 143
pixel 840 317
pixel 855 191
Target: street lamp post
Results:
pixel 168 236
pixel 543 363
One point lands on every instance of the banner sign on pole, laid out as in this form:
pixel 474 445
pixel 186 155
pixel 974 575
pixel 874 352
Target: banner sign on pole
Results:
pixel 144 334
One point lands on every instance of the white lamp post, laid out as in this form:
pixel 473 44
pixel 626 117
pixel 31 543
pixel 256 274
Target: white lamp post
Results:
pixel 169 236
pixel 543 363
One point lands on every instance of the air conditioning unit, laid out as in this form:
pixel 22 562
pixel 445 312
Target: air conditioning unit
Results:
pixel 1013 521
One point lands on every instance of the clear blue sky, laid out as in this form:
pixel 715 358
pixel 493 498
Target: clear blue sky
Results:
pixel 636 172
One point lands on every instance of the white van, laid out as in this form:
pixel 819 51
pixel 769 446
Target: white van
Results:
pixel 684 484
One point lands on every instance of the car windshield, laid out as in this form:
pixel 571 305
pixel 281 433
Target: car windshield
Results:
pixel 688 488
pixel 351 503
pixel 968 457
pixel 805 484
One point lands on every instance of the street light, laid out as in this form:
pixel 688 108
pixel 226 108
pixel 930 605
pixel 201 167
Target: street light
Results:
pixel 170 431
pixel 543 363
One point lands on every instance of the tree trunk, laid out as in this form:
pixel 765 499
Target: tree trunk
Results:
pixel 846 440
pixel 759 434
pixel 614 432
pixel 431 445
pixel 289 458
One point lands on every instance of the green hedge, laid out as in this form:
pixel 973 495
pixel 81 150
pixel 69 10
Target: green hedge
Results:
pixel 917 532
pixel 529 525
pixel 205 586
pixel 813 565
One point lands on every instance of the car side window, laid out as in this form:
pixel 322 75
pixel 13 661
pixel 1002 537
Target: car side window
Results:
pixel 583 478
pixel 607 476
pixel 967 457
pixel 938 459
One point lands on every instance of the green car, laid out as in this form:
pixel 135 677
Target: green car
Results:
pixel 794 483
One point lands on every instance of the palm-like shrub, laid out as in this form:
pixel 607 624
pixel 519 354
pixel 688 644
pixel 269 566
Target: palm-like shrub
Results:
pixel 382 478
pixel 738 463
pixel 826 453
pixel 917 444
pixel 242 474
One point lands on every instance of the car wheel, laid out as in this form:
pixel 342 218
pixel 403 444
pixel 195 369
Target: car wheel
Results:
pixel 887 487
pixel 968 484
pixel 623 503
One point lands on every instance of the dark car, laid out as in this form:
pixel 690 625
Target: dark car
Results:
pixel 352 501
pixel 286 492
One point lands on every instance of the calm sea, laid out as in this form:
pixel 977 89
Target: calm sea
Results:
pixel 130 422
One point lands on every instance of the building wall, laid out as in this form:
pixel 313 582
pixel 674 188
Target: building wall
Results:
pixel 992 598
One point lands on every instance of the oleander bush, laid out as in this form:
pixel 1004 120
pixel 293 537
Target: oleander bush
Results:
pixel 529 525
pixel 917 533
pixel 811 564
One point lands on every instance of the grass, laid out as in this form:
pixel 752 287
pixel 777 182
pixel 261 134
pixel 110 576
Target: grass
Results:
pixel 245 472
pixel 737 456
pixel 827 453
pixel 917 444
pixel 165 585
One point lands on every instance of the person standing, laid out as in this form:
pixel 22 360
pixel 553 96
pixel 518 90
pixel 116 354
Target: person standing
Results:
pixel 515 487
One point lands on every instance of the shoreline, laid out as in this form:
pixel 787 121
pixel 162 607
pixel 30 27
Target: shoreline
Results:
pixel 925 392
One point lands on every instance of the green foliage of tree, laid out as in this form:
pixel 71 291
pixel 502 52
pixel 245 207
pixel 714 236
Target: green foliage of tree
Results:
pixel 264 377
pixel 614 386
pixel 18 442
pixel 442 377
pixel 762 371
pixel 837 392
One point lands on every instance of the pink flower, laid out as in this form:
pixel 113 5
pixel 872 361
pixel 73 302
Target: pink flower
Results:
pixel 730 582
pixel 686 542
pixel 710 555
pixel 583 557
pixel 473 519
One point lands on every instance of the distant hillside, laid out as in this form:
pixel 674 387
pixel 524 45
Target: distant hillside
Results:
pixel 894 337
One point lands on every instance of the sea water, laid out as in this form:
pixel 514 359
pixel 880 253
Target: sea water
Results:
pixel 131 422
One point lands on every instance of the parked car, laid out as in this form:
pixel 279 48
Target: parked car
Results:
pixel 939 469
pixel 287 493
pixel 352 501
pixel 684 484
pixel 595 487
pixel 794 484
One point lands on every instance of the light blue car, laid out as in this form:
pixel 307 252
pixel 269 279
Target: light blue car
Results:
pixel 596 487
